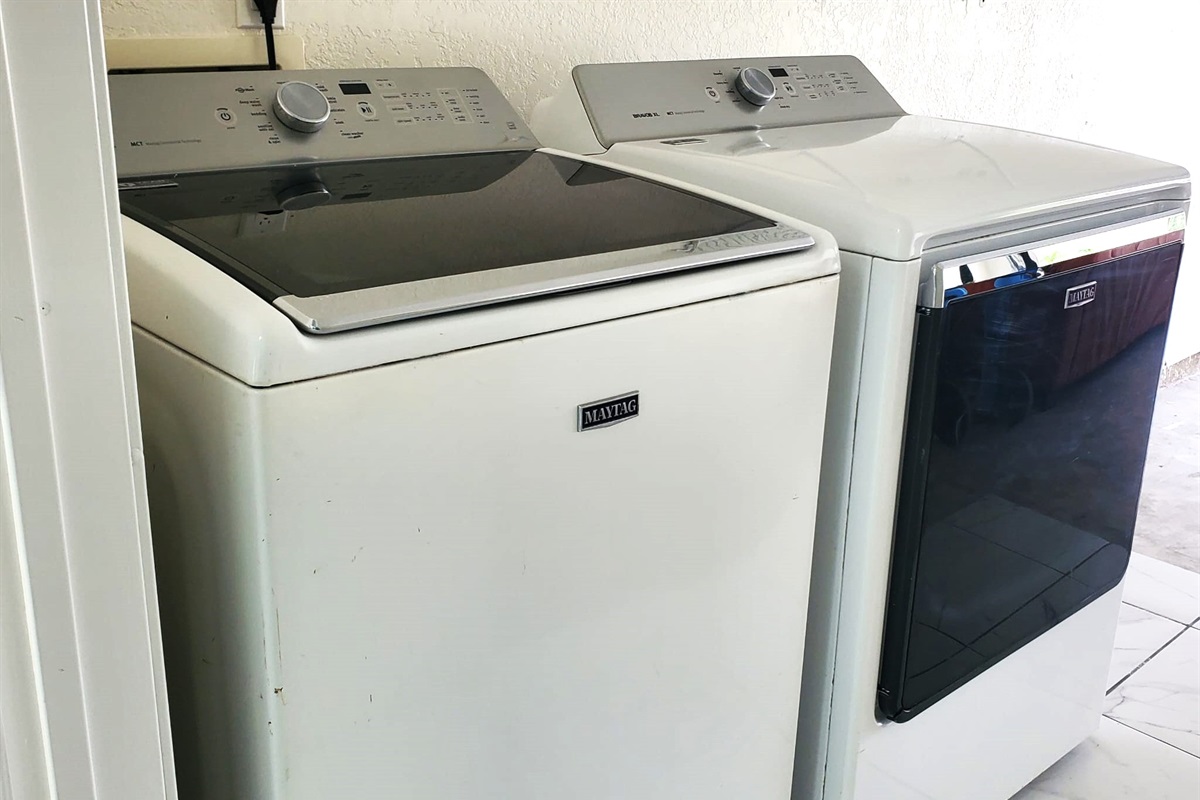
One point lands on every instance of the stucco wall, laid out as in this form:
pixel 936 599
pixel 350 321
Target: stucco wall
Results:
pixel 1121 74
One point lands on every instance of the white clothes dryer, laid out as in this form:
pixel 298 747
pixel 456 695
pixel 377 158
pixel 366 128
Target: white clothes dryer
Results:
pixel 474 470
pixel 1000 332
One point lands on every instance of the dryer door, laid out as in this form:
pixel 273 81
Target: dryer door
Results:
pixel 1029 415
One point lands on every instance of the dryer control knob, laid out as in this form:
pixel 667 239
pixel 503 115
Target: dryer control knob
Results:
pixel 301 106
pixel 755 86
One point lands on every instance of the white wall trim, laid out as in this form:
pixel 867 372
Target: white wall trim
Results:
pixel 83 696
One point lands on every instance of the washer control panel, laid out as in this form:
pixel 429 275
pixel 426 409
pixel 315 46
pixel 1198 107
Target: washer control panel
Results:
pixel 666 99
pixel 167 123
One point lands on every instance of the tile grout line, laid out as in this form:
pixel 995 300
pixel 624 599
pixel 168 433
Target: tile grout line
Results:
pixel 1152 736
pixel 1159 615
pixel 1146 661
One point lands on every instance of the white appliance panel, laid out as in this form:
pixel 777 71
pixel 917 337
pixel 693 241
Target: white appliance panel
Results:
pixel 896 187
pixel 428 582
pixel 1038 704
pixel 855 516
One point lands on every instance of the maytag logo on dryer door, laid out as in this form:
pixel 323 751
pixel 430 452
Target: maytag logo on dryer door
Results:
pixel 603 413
pixel 1080 295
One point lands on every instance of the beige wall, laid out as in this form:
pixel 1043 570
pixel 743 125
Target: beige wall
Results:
pixel 1112 73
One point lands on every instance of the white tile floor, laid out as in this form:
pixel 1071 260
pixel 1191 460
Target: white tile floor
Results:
pixel 1168 523
pixel 1148 744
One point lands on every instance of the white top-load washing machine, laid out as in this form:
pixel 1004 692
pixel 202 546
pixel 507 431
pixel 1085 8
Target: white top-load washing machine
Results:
pixel 474 471
pixel 1041 273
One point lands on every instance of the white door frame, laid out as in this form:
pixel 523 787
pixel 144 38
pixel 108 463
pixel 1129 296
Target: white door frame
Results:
pixel 83 711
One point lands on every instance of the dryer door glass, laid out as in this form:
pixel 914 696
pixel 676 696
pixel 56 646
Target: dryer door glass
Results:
pixel 1028 423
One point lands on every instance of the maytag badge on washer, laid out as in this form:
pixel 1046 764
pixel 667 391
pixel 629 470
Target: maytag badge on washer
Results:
pixel 604 413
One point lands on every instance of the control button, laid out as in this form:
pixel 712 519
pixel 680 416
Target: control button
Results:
pixel 384 83
pixel 790 89
pixel 301 106
pixel 755 86
pixel 712 93
pixel 366 109
pixel 225 117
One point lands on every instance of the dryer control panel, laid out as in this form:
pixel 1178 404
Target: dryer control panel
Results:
pixel 662 100
pixel 167 123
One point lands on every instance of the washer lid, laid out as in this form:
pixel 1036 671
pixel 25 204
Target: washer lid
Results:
pixel 349 245
pixel 898 186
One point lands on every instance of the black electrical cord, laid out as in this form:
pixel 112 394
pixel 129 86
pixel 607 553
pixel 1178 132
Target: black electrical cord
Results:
pixel 266 11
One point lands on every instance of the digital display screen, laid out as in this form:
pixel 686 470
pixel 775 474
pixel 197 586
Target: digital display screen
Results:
pixel 778 72
pixel 354 88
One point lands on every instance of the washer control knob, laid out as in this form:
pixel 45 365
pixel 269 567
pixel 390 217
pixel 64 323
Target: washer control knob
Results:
pixel 303 195
pixel 755 86
pixel 301 106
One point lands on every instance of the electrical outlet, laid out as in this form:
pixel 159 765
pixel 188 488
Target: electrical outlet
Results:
pixel 247 15
pixel 262 224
